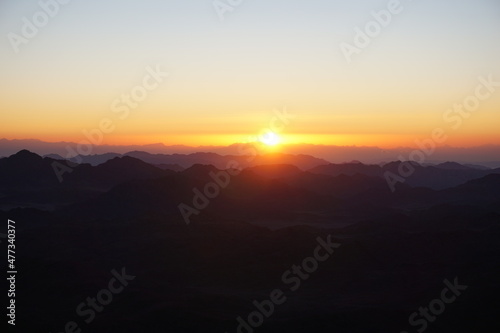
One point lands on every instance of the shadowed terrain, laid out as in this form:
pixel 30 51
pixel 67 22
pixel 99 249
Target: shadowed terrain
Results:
pixel 396 248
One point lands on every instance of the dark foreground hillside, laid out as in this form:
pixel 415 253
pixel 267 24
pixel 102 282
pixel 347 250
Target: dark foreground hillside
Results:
pixel 336 253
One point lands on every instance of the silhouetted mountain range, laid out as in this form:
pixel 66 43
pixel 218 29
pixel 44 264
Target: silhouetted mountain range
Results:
pixel 396 248
pixel 28 174
pixel 27 179
pixel 181 161
pixel 485 156
pixel 437 177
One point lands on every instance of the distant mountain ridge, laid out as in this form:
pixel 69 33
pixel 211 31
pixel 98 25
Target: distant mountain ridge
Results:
pixel 436 177
pixel 27 179
pixel 486 155
pixel 178 162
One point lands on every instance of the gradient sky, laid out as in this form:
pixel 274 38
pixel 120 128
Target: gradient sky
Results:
pixel 227 77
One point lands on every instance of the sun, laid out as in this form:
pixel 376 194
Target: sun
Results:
pixel 270 139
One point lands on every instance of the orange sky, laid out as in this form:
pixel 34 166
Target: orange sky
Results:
pixel 226 78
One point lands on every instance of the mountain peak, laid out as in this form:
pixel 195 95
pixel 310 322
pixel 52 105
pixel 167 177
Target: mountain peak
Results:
pixel 198 170
pixel 452 166
pixel 25 156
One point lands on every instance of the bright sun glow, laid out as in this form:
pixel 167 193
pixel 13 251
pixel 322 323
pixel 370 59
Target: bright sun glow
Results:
pixel 270 139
